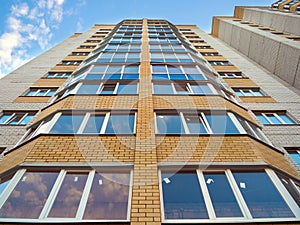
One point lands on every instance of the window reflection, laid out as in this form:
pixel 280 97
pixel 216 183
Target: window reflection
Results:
pixel 108 198
pixel 69 196
pixel 29 196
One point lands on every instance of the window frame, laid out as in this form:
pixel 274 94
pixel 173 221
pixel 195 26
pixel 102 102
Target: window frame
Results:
pixel 275 114
pixel 43 216
pixel 15 113
pixel 247 217
pixel 250 90
pixel 202 118
pixel 38 90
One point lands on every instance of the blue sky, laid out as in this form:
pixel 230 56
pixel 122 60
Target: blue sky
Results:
pixel 28 28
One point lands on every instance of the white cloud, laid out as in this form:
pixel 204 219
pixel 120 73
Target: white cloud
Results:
pixel 20 10
pixel 27 27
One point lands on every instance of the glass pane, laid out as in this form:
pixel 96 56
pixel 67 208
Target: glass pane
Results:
pixel 296 157
pixel 262 119
pixel 177 77
pixel 120 124
pixel 201 89
pixel 50 93
pixel 257 93
pixel 221 195
pixel 162 89
pixel 159 69
pixel 67 124
pixel 114 69
pixel 108 198
pixel 130 76
pixel 196 77
pixel 27 119
pixel 182 196
pixel 94 124
pixel 160 77
pixel 221 124
pixel 4 118
pixel 94 77
pixel 181 89
pixel 174 69
pixel 239 93
pixel 42 93
pixel 99 69
pixel 15 119
pixel 191 69
pixel 29 196
pixel 127 89
pixel 116 76
pixel 3 183
pixel 108 89
pixel 31 93
pixel 169 124
pixel 88 89
pixel 195 125
pixel 261 196
pixel 273 119
pixel 286 119
pixel 68 196
pixel 131 69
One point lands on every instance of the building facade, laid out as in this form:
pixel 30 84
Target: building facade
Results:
pixel 145 122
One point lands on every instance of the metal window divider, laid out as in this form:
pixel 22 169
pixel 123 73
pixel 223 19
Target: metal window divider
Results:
pixel 238 195
pixel 105 122
pixel 83 123
pixel 205 123
pixel 206 196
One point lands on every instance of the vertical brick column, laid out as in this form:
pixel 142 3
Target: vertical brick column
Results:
pixel 145 196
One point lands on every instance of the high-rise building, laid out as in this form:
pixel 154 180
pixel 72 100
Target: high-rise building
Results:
pixel 146 122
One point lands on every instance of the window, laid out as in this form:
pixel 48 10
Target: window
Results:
pixel 202 123
pixel 166 48
pixel 90 123
pixel 122 48
pixel 42 92
pixel 295 154
pixel 170 57
pixel 67 195
pixel 231 75
pixel 183 89
pixel 274 118
pixel 248 92
pixel 171 72
pixel 222 195
pixel 70 62
pixel 219 63
pixel 16 118
pixel 102 89
pixel 58 75
pixel 210 53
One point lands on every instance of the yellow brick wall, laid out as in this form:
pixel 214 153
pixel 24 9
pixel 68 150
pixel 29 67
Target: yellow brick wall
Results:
pixel 240 82
pixel 48 82
pixel 257 99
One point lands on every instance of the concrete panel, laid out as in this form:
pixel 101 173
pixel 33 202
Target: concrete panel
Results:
pixel 228 33
pixel 252 15
pixel 297 77
pixel 222 28
pixel 266 19
pixel 270 49
pixel 244 42
pixel 235 39
pixel 286 65
pixel 256 47
pixel 292 25
pixel 278 22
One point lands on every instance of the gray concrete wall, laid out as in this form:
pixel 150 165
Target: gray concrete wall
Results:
pixel 285 22
pixel 277 54
pixel 287 97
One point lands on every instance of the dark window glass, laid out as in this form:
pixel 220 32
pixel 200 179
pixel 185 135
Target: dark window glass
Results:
pixel 162 89
pixel 108 198
pixel 221 195
pixel 182 196
pixel 261 196
pixel 67 124
pixel 29 196
pixel 127 89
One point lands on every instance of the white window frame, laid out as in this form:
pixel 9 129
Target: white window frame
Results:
pixel 242 90
pixel 9 119
pixel 247 217
pixel 38 90
pixel 43 217
pixel 264 114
